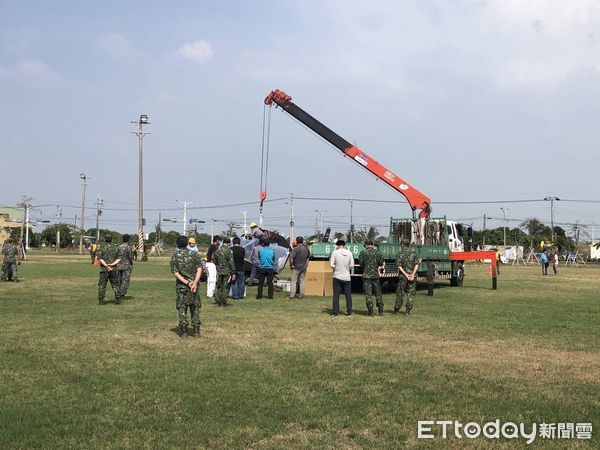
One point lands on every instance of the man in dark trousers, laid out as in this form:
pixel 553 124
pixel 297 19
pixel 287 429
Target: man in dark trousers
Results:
pixel 238 288
pixel 266 268
pixel 342 263
pixel 298 262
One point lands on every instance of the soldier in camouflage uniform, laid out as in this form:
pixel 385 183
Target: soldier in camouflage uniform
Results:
pixel 125 256
pixel 371 260
pixel 9 265
pixel 223 259
pixel 408 264
pixel 107 257
pixel 186 266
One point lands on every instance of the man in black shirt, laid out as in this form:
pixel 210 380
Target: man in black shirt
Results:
pixel 237 289
pixel 298 263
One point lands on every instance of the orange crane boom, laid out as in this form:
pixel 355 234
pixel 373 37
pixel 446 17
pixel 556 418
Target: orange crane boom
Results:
pixel 416 199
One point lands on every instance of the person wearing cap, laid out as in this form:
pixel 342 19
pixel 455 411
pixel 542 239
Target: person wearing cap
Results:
pixel 342 263
pixel 256 231
pixel 192 245
pixel 223 259
pixel 408 264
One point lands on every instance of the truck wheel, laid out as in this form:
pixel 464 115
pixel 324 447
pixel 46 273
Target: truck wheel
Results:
pixel 460 275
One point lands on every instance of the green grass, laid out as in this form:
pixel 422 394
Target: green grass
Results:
pixel 281 374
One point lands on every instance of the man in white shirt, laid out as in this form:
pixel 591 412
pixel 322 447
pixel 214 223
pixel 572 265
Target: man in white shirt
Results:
pixel 342 263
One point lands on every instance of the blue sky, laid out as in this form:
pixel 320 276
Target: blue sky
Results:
pixel 466 100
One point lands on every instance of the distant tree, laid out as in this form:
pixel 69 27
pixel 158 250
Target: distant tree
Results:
pixel 15 233
pixel 536 231
pixel 364 234
pixel 48 236
pixel 170 237
pixel 203 238
pixel 315 237
pixel 116 235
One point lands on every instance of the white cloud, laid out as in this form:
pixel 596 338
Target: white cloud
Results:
pixel 115 45
pixel 199 51
pixel 30 71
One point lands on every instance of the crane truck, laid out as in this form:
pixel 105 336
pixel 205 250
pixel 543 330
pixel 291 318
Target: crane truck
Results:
pixel 439 242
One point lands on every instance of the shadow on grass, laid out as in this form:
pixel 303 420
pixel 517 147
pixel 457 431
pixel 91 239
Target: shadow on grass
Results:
pixel 329 312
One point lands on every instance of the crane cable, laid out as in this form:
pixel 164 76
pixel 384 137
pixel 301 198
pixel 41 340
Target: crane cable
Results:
pixel 264 159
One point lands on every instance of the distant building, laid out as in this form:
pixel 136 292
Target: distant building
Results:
pixel 10 218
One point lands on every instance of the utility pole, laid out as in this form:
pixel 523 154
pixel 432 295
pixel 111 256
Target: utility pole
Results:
pixel 576 229
pixel 551 199
pixel 158 229
pixel 58 214
pixel 245 213
pixel 317 223
pixel 351 222
pixel 504 211
pixel 81 227
pixel 25 222
pixel 140 133
pixel 483 234
pixel 27 208
pixel 291 216
pixel 99 204
pixel 185 205
pixel 231 226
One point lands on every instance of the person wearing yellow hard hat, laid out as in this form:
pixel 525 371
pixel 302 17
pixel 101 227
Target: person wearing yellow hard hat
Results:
pixel 256 231
pixel 192 245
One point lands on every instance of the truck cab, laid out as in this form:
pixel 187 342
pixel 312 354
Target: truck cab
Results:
pixel 455 240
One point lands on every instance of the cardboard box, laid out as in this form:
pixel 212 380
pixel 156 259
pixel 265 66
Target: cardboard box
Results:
pixel 328 284
pixel 319 279
pixel 314 284
pixel 318 267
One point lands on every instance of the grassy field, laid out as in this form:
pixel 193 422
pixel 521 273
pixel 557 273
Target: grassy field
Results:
pixel 284 374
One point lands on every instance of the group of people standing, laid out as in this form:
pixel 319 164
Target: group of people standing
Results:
pixel 225 271
pixel 372 262
pixel 116 264
pixel 224 267
pixel 545 262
